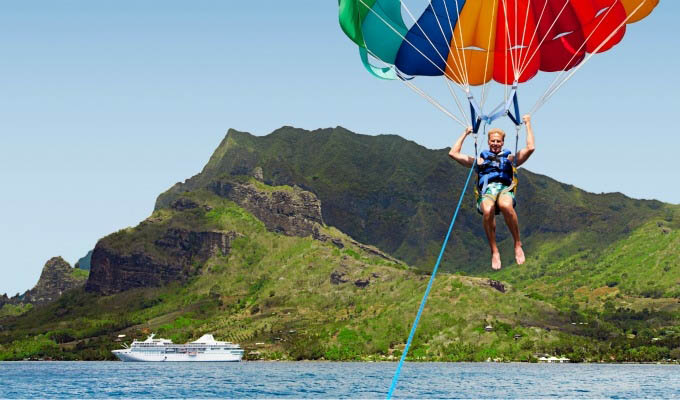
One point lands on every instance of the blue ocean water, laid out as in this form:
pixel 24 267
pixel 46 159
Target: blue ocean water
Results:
pixel 334 380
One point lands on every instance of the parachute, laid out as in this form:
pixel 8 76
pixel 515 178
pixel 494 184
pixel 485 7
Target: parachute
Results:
pixel 474 42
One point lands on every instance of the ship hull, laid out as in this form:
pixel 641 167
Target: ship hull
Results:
pixel 126 355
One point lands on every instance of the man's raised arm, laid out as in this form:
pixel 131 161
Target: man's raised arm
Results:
pixel 524 154
pixel 455 153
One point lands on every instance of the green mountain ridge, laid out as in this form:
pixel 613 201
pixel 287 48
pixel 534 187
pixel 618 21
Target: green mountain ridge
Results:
pixel 303 298
pixel 245 250
pixel 399 196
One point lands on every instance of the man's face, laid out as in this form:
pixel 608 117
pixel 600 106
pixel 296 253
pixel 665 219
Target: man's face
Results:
pixel 496 143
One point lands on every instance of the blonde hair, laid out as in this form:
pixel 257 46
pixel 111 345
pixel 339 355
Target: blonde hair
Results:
pixel 497 131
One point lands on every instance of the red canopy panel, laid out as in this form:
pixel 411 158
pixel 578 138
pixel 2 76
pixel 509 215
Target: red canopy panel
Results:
pixel 515 42
pixel 602 22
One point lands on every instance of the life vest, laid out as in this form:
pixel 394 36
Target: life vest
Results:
pixel 495 168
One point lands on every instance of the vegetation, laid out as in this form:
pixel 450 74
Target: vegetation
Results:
pixel 274 295
pixel 398 196
pixel 600 282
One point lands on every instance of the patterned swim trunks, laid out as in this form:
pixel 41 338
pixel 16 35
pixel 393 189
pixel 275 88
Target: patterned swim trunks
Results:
pixel 493 190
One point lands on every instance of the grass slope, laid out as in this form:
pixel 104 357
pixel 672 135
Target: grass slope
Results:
pixel 275 295
pixel 397 195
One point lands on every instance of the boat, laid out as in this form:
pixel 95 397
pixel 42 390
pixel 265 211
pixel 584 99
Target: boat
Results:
pixel 206 348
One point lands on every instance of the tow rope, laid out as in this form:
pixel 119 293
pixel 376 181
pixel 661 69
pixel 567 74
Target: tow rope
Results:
pixel 395 379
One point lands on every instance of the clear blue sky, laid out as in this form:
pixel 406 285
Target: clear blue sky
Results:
pixel 104 105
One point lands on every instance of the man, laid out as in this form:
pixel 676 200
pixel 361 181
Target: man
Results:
pixel 494 168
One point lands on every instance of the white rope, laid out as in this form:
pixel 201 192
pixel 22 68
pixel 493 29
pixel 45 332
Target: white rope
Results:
pixel 528 62
pixel 528 47
pixel 563 73
pixel 433 102
pixel 463 76
pixel 515 55
pixel 507 31
pixel 409 84
pixel 427 38
pixel 427 97
pixel 488 52
pixel 401 36
pixel 533 36
pixel 546 96
pixel 462 46
pixel 455 97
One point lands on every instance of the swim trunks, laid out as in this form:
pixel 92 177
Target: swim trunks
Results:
pixel 493 190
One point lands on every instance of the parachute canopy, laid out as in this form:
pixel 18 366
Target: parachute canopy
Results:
pixel 472 42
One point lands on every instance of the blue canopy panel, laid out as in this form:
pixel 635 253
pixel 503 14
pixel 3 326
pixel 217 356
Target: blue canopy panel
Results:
pixel 436 24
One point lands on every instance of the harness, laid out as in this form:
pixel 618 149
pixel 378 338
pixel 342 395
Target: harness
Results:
pixel 495 168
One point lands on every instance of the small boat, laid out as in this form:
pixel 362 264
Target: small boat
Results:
pixel 206 348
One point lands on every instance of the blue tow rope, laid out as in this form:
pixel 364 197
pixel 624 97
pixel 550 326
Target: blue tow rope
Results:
pixel 395 379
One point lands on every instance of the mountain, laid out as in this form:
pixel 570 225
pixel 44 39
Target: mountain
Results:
pixel 399 196
pixel 257 265
pixel 57 277
pixel 265 247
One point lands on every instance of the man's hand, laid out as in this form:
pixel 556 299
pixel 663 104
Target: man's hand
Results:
pixel 524 154
pixel 456 148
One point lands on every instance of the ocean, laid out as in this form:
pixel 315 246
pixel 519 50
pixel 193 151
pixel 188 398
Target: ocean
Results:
pixel 335 380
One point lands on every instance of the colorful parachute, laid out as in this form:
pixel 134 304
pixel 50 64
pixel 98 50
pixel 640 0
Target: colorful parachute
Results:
pixel 472 42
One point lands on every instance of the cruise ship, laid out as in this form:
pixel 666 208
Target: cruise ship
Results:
pixel 206 348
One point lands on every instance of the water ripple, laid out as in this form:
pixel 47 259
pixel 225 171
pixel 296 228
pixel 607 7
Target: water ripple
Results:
pixel 334 380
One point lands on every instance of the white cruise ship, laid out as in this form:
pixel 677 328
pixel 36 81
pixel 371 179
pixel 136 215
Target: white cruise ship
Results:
pixel 204 349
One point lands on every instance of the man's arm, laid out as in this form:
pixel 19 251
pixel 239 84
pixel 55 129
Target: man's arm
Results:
pixel 526 152
pixel 455 153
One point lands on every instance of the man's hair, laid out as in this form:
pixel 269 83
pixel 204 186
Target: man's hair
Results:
pixel 497 131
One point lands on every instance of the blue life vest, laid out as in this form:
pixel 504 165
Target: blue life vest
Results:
pixel 495 168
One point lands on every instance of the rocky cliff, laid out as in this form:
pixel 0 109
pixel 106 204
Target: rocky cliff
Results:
pixel 57 277
pixel 175 243
pixel 397 195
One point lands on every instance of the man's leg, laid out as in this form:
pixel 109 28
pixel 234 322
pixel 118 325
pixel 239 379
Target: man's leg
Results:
pixel 508 211
pixel 489 218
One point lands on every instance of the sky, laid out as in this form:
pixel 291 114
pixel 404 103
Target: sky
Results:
pixel 106 104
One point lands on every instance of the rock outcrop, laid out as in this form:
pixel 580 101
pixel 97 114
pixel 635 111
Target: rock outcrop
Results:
pixel 157 252
pixel 290 211
pixel 56 277
pixel 114 271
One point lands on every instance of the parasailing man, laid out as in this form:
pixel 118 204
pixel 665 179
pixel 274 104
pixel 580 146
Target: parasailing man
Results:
pixel 495 184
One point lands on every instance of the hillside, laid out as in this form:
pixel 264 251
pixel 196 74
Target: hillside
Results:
pixel 266 247
pixel 303 297
pixel 57 277
pixel 399 196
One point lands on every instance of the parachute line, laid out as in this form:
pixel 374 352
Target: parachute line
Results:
pixel 553 89
pixel 508 43
pixel 455 97
pixel 528 62
pixel 576 53
pixel 433 102
pixel 404 38
pixel 533 36
pixel 462 44
pixel 425 35
pixel 486 63
pixel 427 97
pixel 395 379
pixel 457 62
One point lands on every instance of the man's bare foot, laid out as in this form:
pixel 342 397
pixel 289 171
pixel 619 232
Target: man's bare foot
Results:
pixel 496 260
pixel 519 255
